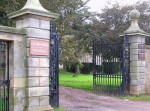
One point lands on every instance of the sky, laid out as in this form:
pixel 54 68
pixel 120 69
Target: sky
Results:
pixel 97 5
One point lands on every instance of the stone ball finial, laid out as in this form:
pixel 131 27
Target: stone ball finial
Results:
pixel 134 27
pixel 134 14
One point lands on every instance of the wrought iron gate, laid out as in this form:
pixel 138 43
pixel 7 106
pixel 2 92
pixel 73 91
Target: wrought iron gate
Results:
pixel 111 66
pixel 54 66
pixel 4 77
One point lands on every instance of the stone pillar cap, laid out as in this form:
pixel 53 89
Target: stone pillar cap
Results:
pixel 34 4
pixel 134 27
pixel 33 7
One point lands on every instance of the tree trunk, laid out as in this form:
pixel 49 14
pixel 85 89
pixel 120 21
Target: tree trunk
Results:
pixel 77 71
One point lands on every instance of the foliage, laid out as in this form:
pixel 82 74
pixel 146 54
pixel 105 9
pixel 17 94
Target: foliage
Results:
pixel 111 67
pixel 9 6
pixel 69 54
pixel 86 68
pixel 144 20
pixel 70 67
pixel 71 22
pixel 111 22
pixel 72 25
pixel 115 20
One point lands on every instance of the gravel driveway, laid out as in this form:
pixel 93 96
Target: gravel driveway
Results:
pixel 79 100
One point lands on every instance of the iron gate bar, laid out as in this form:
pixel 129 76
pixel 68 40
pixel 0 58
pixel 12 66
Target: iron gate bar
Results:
pixel 4 82
pixel 109 76
pixel 54 67
pixel 8 80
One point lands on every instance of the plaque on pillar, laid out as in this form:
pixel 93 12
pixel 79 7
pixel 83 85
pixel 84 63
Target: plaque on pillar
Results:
pixel 39 47
pixel 141 55
pixel 141 46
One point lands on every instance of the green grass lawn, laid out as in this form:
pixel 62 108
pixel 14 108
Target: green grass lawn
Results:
pixel 85 81
pixel 82 81
pixel 1 105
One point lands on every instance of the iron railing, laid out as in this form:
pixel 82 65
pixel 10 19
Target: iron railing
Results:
pixel 4 77
pixel 110 67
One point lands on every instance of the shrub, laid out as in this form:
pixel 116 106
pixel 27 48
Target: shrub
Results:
pixel 86 68
pixel 70 68
pixel 111 67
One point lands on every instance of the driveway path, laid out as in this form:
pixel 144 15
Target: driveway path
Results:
pixel 79 100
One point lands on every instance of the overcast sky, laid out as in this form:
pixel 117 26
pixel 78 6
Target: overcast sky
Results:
pixel 97 5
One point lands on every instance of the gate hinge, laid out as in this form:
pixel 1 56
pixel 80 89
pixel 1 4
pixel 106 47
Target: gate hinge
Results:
pixel 6 82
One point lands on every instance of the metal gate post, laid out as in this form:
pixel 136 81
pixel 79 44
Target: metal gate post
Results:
pixel 54 67
pixel 125 66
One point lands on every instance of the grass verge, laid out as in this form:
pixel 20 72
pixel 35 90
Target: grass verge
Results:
pixel 143 97
pixel 60 109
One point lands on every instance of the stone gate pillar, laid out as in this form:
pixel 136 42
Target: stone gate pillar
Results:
pixel 36 21
pixel 147 69
pixel 137 54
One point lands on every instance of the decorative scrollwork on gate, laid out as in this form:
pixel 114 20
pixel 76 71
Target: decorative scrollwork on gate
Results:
pixel 126 65
pixel 111 66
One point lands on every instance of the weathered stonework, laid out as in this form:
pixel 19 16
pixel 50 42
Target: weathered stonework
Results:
pixel 33 82
pixel 38 91
pixel 29 74
pixel 35 20
pixel 148 69
pixel 44 72
pixel 137 64
pixel 33 72
pixel 17 66
pixel 37 33
pixel 44 81
pixel 44 100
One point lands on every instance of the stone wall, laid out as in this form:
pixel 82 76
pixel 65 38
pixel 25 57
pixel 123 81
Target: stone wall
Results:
pixel 17 67
pixel 29 71
pixel 29 74
pixel 137 54
pixel 137 66
pixel 37 67
pixel 147 69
